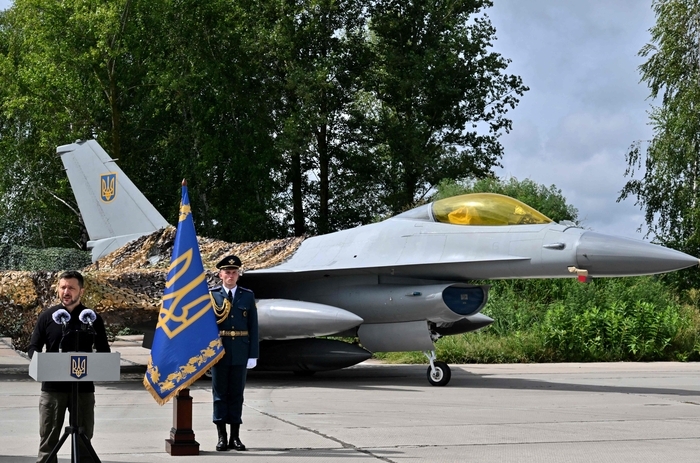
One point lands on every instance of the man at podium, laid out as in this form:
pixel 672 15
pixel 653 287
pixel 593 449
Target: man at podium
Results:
pixel 67 327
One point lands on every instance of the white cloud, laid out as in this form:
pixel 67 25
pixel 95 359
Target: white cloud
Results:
pixel 585 106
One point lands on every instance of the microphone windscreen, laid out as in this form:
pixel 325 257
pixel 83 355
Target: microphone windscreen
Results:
pixel 87 316
pixel 61 316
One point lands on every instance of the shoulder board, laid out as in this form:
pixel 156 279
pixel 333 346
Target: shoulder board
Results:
pixel 215 288
pixel 245 289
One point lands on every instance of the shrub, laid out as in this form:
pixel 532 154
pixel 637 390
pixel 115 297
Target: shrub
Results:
pixel 50 259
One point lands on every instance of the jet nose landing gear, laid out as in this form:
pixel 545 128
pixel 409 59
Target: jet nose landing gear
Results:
pixel 439 373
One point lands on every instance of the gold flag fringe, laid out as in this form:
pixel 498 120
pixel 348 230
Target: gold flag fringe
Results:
pixel 187 383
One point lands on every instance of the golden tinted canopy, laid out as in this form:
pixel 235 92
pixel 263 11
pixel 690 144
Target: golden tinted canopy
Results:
pixel 486 209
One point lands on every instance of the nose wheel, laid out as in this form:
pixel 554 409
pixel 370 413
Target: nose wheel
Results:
pixel 439 373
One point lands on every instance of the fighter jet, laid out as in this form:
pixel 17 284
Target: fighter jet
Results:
pixel 396 285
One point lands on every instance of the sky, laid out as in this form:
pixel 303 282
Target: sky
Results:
pixel 585 106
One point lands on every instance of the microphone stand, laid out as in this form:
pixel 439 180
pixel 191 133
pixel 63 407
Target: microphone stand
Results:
pixel 63 336
pixel 76 432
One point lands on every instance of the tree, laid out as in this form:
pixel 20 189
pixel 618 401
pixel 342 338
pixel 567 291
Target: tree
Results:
pixel 436 103
pixel 319 61
pixel 170 88
pixel 303 115
pixel 373 122
pixel 208 116
pixel 59 75
pixel 668 191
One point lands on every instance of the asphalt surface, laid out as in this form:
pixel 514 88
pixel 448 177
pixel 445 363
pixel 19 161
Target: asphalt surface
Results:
pixel 612 412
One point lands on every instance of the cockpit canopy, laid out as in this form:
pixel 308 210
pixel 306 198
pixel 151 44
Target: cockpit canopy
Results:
pixel 485 209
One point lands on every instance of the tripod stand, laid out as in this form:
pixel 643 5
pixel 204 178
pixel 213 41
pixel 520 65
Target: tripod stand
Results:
pixel 56 366
pixel 75 432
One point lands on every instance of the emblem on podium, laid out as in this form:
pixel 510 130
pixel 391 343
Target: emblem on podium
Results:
pixel 78 366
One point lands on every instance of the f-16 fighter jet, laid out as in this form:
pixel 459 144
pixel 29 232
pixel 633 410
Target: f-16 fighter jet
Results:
pixel 397 285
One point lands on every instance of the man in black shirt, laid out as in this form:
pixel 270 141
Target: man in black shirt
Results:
pixel 75 336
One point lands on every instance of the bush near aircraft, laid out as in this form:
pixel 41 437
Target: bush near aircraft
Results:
pixel 606 320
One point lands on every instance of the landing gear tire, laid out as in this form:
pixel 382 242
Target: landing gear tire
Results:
pixel 441 376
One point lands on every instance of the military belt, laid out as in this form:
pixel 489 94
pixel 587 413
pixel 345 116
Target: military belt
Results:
pixel 233 334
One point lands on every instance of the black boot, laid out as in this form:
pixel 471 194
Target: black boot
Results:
pixel 235 442
pixel 221 444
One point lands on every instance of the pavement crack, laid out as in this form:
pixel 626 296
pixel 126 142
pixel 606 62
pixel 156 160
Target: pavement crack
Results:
pixel 345 445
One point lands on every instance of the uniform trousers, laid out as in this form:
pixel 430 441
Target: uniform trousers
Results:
pixel 228 383
pixel 52 412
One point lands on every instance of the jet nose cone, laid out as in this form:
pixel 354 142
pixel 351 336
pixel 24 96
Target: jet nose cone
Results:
pixel 604 255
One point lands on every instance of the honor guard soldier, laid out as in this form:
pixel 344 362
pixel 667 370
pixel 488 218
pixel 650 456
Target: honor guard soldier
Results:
pixel 237 317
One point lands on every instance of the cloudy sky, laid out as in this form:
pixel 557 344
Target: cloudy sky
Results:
pixel 585 106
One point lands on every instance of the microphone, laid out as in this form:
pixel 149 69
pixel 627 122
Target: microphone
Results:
pixel 61 317
pixel 87 317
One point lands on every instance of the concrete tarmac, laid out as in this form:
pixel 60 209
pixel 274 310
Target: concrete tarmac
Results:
pixel 602 412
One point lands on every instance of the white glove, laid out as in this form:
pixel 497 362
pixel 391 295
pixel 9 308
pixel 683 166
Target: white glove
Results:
pixel 251 363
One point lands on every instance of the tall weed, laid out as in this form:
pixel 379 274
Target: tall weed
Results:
pixel 621 319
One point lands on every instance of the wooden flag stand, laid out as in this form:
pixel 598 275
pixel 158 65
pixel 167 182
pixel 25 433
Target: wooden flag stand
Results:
pixel 181 440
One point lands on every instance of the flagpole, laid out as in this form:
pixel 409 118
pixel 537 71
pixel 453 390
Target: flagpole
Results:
pixel 186 342
pixel 181 440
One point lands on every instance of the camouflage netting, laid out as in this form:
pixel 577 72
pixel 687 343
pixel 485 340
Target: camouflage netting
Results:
pixel 123 299
pixel 155 250
pixel 22 295
pixel 126 286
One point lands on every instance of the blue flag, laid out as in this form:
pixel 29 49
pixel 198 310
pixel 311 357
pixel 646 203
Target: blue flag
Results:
pixel 186 342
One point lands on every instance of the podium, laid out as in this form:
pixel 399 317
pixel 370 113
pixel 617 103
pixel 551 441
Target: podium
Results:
pixel 75 367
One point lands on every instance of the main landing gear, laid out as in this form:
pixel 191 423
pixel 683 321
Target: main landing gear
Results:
pixel 439 373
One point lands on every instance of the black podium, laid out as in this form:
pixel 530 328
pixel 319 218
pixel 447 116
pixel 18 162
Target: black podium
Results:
pixel 75 367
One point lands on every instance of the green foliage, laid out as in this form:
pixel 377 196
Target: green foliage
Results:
pixel 620 332
pixel 607 319
pixel 57 81
pixel 204 111
pixel 284 117
pixel 50 259
pixel 668 189
pixel 479 347
pixel 624 319
pixel 321 50
pixel 434 80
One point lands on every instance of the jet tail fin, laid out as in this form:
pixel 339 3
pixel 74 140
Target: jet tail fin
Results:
pixel 114 210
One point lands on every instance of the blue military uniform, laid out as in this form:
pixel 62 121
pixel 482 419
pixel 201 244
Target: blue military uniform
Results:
pixel 229 373
pixel 237 317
